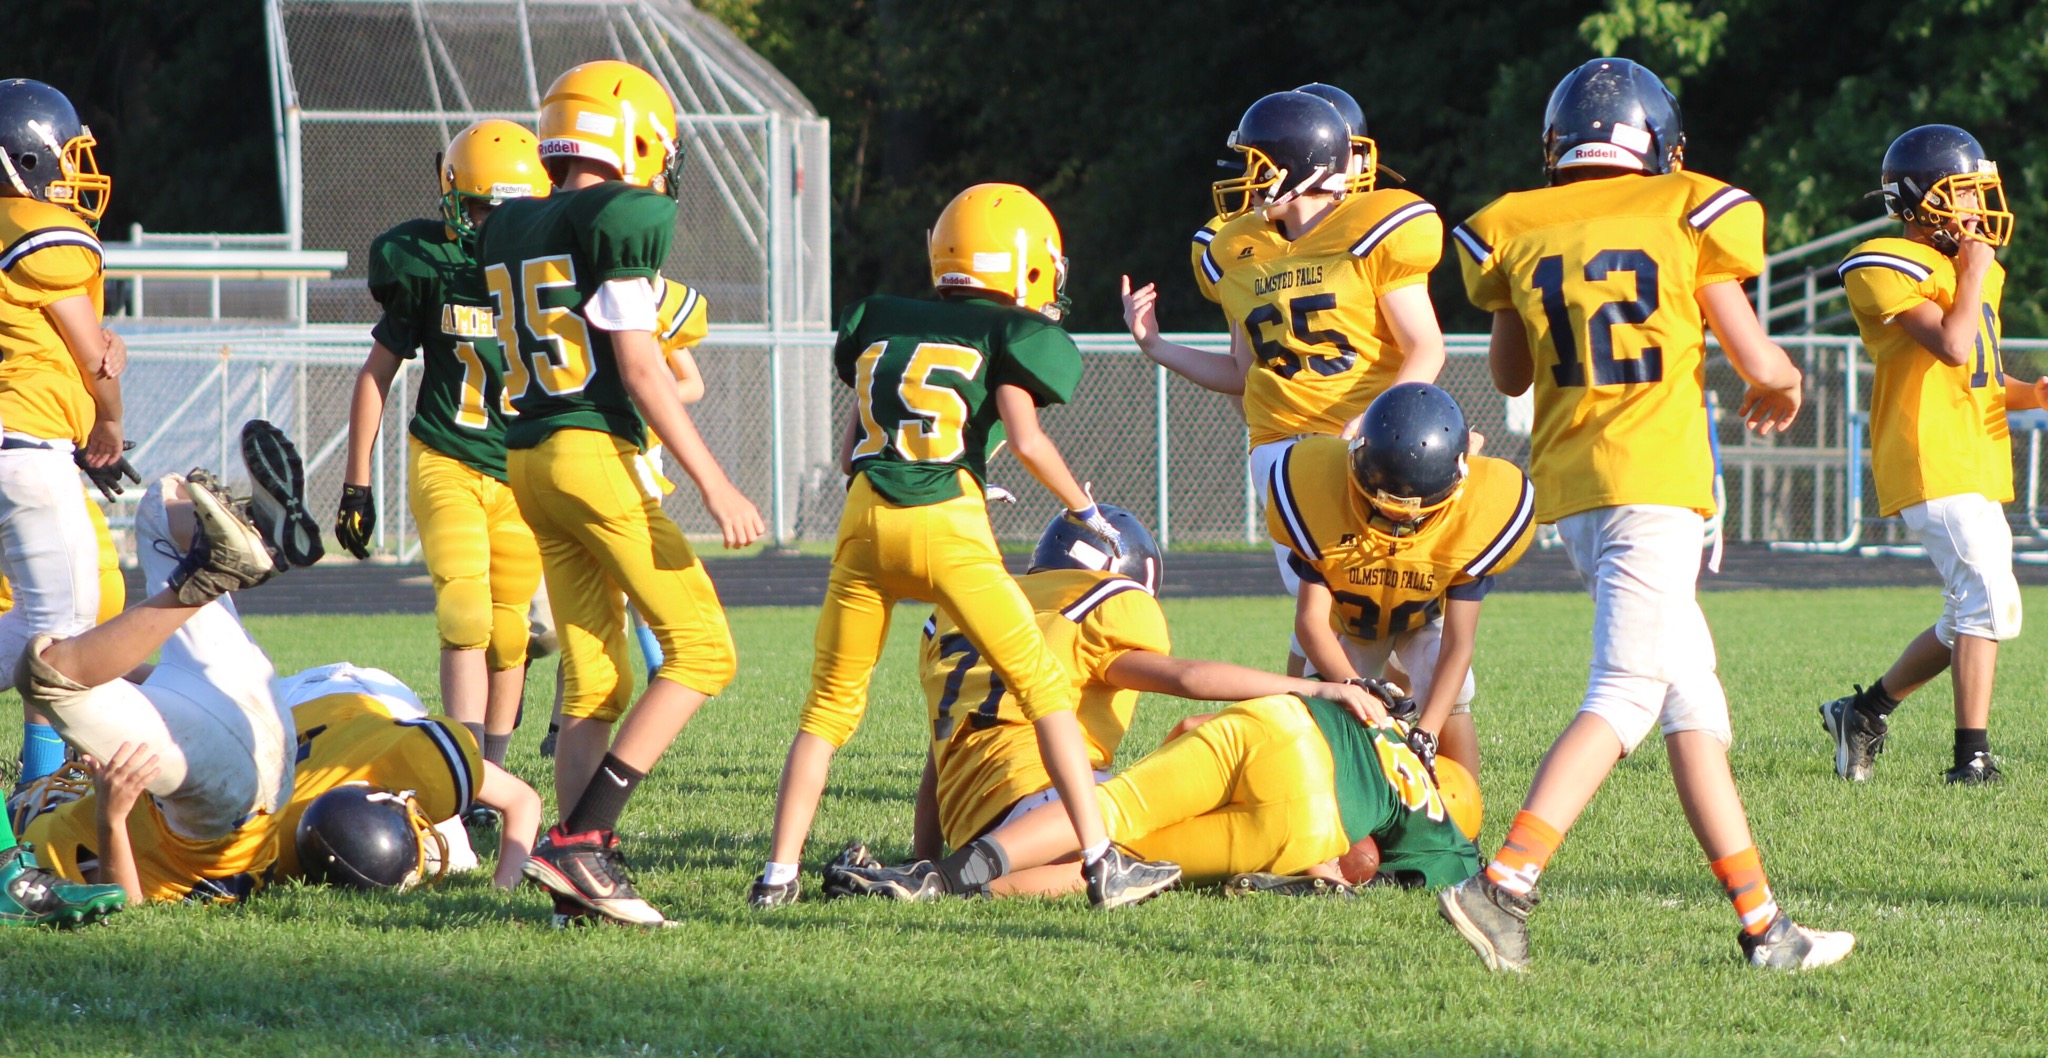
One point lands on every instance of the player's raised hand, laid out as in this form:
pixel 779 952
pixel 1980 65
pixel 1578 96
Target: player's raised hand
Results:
pixel 121 780
pixel 1973 254
pixel 1141 311
pixel 739 521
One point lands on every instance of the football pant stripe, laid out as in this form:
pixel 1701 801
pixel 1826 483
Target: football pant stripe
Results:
pixel 1473 245
pixel 1290 514
pixel 931 626
pixel 682 314
pixel 1378 233
pixel 1872 259
pixel 1717 204
pixel 1505 542
pixel 43 239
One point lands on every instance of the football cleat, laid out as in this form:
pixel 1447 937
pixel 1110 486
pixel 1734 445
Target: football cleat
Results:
pixel 1284 885
pixel 547 741
pixel 1787 945
pixel 32 896
pixel 1118 879
pixel 227 553
pixel 1859 736
pixel 1492 920
pixel 278 505
pixel 781 894
pixel 855 854
pixel 1979 771
pixel 590 870
pixel 915 882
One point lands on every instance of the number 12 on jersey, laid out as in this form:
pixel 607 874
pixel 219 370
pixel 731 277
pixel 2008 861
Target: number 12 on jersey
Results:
pixel 1558 297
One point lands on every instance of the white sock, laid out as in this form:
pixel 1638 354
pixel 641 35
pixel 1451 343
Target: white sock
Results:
pixel 1095 852
pixel 779 873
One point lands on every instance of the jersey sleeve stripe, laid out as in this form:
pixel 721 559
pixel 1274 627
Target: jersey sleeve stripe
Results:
pixel 1096 596
pixel 1378 233
pixel 1505 542
pixel 43 239
pixel 931 626
pixel 1473 245
pixel 1914 269
pixel 1209 268
pixel 1282 492
pixel 1718 203
pixel 682 314
pixel 458 762
pixel 1205 236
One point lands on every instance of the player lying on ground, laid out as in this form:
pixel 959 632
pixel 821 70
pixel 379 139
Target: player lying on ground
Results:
pixel 1601 286
pixel 937 383
pixel 1397 537
pixel 1322 278
pixel 574 276
pixel 1273 786
pixel 1927 305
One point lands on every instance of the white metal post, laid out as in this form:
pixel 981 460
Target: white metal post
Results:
pixel 779 232
pixel 1159 444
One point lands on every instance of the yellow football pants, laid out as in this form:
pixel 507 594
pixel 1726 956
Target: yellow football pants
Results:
pixel 113 583
pixel 1253 789
pixel 480 553
pixel 942 553
pixel 600 535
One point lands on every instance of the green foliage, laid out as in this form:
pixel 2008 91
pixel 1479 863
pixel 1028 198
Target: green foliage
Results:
pixel 1634 943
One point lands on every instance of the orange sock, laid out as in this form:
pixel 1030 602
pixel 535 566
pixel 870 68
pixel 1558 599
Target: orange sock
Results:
pixel 1530 845
pixel 1743 876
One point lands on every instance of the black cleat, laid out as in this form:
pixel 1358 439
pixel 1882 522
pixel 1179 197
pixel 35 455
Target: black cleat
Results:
pixel 1492 920
pixel 1118 879
pixel 278 506
pixel 1980 771
pixel 764 895
pixel 1787 945
pixel 589 870
pixel 1284 885
pixel 916 882
pixel 547 742
pixel 1859 736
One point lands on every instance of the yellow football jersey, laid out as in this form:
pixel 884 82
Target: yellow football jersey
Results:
pixel 345 738
pixel 1604 274
pixel 169 865
pixel 682 316
pixel 984 747
pixel 1380 590
pixel 1206 272
pixel 1935 430
pixel 1310 307
pixel 47 254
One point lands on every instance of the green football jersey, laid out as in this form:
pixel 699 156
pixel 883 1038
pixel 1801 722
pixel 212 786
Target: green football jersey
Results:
pixel 543 258
pixel 1384 790
pixel 432 293
pixel 924 374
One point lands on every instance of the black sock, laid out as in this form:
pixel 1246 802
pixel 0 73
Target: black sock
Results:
pixel 1971 741
pixel 1874 700
pixel 476 731
pixel 604 798
pixel 972 868
pixel 495 747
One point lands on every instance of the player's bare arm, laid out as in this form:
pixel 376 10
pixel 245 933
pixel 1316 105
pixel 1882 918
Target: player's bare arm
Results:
pixel 1412 316
pixel 1453 660
pixel 1952 336
pixel 356 519
pixel 1220 681
pixel 521 808
pixel 652 386
pixel 1035 450
pixel 689 378
pixel 1507 355
pixel 1221 374
pixel 1319 643
pixel 119 782
pixel 1776 388
pixel 79 325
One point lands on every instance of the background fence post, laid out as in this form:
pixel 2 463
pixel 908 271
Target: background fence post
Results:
pixel 1160 443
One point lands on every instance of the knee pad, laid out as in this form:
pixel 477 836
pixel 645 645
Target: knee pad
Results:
pixel 508 639
pixel 1629 704
pixel 40 685
pixel 462 610
pixel 1698 704
pixel 703 663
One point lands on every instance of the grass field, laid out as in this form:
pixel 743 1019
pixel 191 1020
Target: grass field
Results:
pixel 1634 943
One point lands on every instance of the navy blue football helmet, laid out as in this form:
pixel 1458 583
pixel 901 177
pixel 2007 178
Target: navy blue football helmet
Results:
pixel 1616 113
pixel 1363 148
pixel 1066 544
pixel 1928 170
pixel 46 152
pixel 365 837
pixel 1408 459
pixel 1292 143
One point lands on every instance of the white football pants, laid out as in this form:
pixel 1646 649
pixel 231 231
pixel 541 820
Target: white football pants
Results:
pixel 48 549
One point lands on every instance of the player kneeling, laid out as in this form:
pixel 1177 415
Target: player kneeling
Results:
pixel 1397 537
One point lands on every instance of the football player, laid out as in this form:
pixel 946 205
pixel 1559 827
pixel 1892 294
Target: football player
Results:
pixel 203 734
pixel 479 551
pixel 42 751
pixel 1100 618
pixel 937 383
pixel 1926 303
pixel 60 399
pixel 1278 785
pixel 1323 277
pixel 1601 285
pixel 571 278
pixel 1397 537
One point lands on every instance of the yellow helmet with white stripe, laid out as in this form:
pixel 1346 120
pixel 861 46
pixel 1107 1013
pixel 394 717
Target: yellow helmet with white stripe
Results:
pixel 614 113
pixel 1001 239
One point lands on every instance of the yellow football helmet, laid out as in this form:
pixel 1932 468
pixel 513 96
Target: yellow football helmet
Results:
pixel 488 162
pixel 616 113
pixel 1001 238
pixel 1460 792
pixel 46 152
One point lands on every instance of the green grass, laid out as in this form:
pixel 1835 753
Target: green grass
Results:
pixel 1634 944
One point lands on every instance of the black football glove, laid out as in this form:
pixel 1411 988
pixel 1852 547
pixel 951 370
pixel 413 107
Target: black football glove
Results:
pixel 1399 706
pixel 356 522
pixel 108 478
pixel 1424 745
